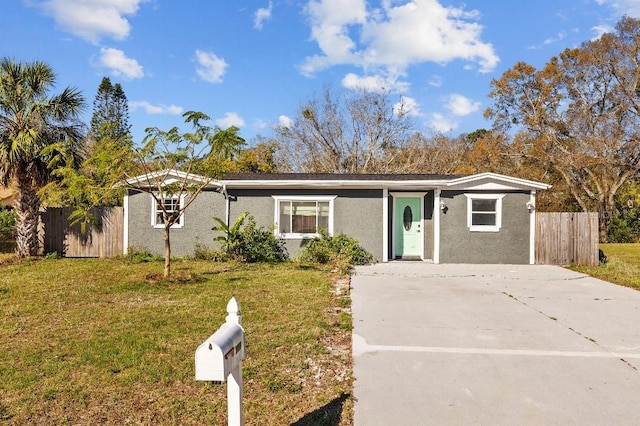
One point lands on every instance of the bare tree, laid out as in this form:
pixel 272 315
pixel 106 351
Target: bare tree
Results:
pixel 581 113
pixel 359 132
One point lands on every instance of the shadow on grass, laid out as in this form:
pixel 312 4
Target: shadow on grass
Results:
pixel 328 415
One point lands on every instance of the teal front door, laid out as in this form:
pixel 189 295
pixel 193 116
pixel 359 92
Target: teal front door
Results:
pixel 407 221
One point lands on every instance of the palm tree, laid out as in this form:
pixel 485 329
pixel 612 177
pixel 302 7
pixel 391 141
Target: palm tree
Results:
pixel 38 132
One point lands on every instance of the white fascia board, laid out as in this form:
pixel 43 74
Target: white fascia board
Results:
pixel 494 182
pixel 344 184
pixel 168 177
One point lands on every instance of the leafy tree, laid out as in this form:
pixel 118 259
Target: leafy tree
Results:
pixel 258 159
pixel 201 152
pixel 110 148
pixel 110 112
pixel 38 132
pixel 625 223
pixel 357 133
pixel 92 183
pixel 581 114
pixel 487 152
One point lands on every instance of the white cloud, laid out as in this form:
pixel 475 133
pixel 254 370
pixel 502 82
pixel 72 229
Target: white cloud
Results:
pixel 409 106
pixel 156 109
pixel 394 36
pixel 261 15
pixel 230 119
pixel 623 7
pixel 599 30
pixel 369 83
pixel 119 64
pixel 210 68
pixel 630 8
pixel 442 124
pixel 460 105
pixel 93 19
pixel 285 121
pixel 561 35
pixel 330 21
pixel 436 81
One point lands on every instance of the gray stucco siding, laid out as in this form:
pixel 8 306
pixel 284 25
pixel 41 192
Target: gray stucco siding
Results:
pixel 198 221
pixel 356 213
pixel 510 245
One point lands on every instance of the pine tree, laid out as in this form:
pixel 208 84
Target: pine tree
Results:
pixel 110 112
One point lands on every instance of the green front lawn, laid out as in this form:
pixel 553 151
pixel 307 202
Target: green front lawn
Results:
pixel 623 266
pixel 104 342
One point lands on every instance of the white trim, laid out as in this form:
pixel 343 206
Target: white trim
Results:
pixel 329 184
pixel 484 228
pixel 125 228
pixel 436 226
pixel 385 225
pixel 532 228
pixel 169 176
pixel 298 236
pixel 395 196
pixel 494 180
pixel 179 224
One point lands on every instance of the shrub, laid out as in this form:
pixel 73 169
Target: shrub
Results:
pixel 624 227
pixel 340 251
pixel 137 254
pixel 202 252
pixel 251 243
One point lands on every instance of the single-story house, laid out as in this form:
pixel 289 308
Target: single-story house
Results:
pixel 481 218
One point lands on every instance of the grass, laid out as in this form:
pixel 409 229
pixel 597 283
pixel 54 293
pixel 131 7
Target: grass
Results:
pixel 88 341
pixel 622 267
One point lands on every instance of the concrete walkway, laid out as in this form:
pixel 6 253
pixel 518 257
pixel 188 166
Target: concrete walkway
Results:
pixel 493 345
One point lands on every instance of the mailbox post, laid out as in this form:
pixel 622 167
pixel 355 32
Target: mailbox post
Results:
pixel 219 359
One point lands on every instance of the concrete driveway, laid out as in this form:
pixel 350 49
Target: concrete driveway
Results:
pixel 493 345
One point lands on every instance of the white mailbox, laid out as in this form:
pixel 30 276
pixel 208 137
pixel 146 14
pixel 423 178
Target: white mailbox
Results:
pixel 221 353
pixel 219 359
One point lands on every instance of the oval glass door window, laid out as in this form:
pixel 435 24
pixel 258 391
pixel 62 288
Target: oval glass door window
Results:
pixel 407 218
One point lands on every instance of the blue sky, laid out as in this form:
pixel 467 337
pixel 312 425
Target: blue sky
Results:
pixel 252 63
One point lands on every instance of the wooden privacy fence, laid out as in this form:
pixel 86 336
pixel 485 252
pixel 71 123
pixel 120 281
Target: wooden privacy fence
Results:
pixel 103 240
pixel 567 238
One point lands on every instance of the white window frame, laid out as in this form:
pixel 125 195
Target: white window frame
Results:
pixel 498 212
pixel 154 211
pixel 316 198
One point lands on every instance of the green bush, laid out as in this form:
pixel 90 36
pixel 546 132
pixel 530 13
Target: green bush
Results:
pixel 340 251
pixel 7 224
pixel 624 227
pixel 251 243
pixel 137 254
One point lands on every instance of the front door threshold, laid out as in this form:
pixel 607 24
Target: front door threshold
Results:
pixel 411 258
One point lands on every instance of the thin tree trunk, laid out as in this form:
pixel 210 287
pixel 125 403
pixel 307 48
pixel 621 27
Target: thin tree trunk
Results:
pixel 27 206
pixel 167 250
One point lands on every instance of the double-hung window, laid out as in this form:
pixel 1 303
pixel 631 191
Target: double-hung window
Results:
pixel 172 205
pixel 484 212
pixel 302 217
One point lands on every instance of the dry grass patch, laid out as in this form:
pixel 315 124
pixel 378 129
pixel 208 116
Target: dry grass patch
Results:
pixel 106 342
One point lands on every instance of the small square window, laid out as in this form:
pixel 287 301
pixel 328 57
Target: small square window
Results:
pixel 172 205
pixel 484 212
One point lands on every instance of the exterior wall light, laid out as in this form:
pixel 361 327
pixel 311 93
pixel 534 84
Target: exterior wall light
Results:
pixel 530 206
